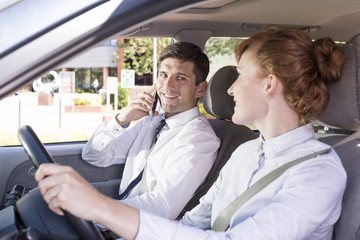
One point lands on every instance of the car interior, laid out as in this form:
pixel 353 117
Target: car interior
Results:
pixel 185 20
pixel 343 113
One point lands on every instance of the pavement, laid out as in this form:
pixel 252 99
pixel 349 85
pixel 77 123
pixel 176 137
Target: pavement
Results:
pixel 50 122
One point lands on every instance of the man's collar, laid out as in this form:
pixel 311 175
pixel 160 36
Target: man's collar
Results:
pixel 182 118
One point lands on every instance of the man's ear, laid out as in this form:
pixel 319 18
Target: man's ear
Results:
pixel 272 86
pixel 201 89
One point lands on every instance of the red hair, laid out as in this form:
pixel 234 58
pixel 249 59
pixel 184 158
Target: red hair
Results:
pixel 303 67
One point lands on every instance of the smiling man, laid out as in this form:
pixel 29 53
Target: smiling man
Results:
pixel 162 173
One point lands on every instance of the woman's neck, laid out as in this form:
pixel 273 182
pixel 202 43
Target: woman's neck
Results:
pixel 279 120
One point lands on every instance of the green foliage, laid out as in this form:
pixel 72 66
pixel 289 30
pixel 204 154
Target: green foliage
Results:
pixel 221 46
pixel 122 97
pixel 78 89
pixel 123 94
pixel 162 43
pixel 138 53
pixel 88 99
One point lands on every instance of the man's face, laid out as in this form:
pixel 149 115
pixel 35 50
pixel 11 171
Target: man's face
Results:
pixel 176 86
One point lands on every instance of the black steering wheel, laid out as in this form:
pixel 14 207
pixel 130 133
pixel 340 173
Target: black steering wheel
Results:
pixel 38 155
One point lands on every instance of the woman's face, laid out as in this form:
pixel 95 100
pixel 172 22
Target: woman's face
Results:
pixel 248 90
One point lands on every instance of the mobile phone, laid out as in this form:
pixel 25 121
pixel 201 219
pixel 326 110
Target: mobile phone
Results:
pixel 153 109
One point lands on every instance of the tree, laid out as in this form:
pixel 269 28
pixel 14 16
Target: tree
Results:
pixel 221 46
pixel 138 53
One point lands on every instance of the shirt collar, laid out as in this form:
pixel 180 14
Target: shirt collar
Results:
pixel 274 146
pixel 182 118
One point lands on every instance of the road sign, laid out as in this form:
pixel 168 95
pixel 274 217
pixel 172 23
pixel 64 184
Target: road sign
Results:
pixel 127 78
pixel 67 84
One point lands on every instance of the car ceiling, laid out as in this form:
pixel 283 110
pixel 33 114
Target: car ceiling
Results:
pixel 242 18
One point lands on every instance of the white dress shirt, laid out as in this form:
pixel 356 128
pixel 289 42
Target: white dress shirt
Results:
pixel 303 203
pixel 178 163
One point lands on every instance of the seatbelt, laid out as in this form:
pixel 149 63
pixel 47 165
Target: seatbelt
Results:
pixel 222 222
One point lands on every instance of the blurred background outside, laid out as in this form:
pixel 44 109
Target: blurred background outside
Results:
pixel 70 102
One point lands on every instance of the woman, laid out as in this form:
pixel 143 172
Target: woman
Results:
pixel 281 87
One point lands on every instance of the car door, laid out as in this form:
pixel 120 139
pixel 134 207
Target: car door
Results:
pixel 37 36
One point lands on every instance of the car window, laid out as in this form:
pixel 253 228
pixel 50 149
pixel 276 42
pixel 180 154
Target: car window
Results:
pixel 220 51
pixel 70 102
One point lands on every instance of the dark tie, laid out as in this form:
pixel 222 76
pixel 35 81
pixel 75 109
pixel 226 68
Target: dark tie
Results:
pixel 138 178
pixel 157 131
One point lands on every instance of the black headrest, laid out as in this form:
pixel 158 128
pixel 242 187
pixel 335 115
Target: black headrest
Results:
pixel 216 100
pixel 343 109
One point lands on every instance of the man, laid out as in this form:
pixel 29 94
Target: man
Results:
pixel 160 176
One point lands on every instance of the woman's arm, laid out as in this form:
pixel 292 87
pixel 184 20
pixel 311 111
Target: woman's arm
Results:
pixel 64 189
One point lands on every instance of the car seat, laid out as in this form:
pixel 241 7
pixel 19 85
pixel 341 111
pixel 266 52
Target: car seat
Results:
pixel 221 106
pixel 341 118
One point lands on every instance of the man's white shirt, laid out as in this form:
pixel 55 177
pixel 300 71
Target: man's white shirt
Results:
pixel 178 163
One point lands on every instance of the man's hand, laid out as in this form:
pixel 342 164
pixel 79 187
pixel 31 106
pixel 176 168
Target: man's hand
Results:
pixel 138 107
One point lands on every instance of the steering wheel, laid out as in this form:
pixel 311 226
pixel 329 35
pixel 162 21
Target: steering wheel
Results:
pixel 38 155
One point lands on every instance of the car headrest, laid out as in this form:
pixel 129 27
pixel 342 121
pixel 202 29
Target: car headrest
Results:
pixel 343 109
pixel 216 100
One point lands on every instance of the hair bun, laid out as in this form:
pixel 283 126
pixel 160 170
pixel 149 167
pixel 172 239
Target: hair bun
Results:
pixel 329 58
